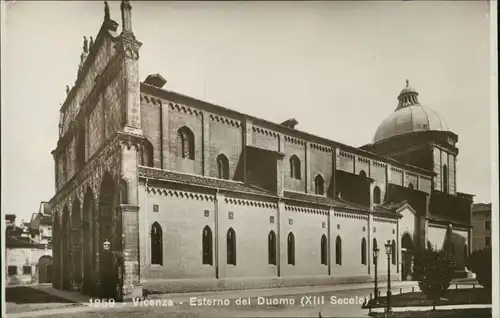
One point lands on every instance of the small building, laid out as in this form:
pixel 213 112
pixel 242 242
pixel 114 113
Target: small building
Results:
pixel 27 262
pixel 481 222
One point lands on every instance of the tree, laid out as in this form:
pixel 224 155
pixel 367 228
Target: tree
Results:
pixel 434 270
pixel 479 262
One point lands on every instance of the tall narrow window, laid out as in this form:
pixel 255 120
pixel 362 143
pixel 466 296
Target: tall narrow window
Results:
pixel 376 195
pixel 231 247
pixel 319 185
pixel 324 250
pixel 393 252
pixel 362 173
pixel 271 248
pixel 294 167
pixel 185 140
pixel 123 191
pixel 291 249
pixel 338 251
pixel 222 167
pixel 445 179
pixel 466 252
pixel 410 186
pixel 375 245
pixel 363 251
pixel 147 154
pixel 156 244
pixel 207 246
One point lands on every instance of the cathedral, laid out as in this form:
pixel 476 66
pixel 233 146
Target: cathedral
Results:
pixel 160 192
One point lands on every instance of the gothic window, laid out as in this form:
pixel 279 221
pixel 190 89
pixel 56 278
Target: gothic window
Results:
pixel 123 192
pixel 291 249
pixel 324 250
pixel 222 167
pixel 410 186
pixel 319 185
pixel 294 167
pixel 338 251
pixel 231 247
pixel 147 154
pixel 271 248
pixel 156 244
pixel 445 179
pixel 393 252
pixel 376 195
pixel 363 251
pixel 207 246
pixel 362 173
pixel 185 143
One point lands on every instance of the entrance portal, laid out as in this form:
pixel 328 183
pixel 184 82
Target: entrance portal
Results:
pixel 407 250
pixel 45 269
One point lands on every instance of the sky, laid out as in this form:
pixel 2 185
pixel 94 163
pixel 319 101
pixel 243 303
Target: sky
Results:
pixel 337 67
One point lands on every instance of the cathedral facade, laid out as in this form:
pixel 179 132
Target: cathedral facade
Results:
pixel 163 192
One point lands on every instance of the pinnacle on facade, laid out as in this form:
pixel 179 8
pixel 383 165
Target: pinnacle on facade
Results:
pixel 126 9
pixel 106 11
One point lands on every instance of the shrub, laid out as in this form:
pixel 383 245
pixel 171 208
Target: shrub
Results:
pixel 433 270
pixel 479 262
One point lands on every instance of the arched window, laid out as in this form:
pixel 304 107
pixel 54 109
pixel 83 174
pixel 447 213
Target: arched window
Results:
pixel 375 245
pixel 362 173
pixel 291 249
pixel 393 252
pixel 156 244
pixel 222 167
pixel 376 195
pixel 147 154
pixel 410 186
pixel 324 250
pixel 231 247
pixel 123 192
pixel 445 179
pixel 271 248
pixel 185 140
pixel 294 167
pixel 363 251
pixel 338 251
pixel 319 185
pixel 207 246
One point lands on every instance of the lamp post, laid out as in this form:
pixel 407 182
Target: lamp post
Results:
pixel 388 250
pixel 375 261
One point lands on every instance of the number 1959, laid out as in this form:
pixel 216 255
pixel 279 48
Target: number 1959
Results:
pixel 97 302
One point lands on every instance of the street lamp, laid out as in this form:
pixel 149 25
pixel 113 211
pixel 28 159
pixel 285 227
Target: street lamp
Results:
pixel 388 250
pixel 375 261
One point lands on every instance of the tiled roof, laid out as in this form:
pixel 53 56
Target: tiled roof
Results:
pixel 190 179
pixel 46 220
pixel 481 207
pixel 392 206
pixel 20 242
pixel 447 220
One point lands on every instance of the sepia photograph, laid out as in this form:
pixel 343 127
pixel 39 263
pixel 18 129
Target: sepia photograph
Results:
pixel 249 159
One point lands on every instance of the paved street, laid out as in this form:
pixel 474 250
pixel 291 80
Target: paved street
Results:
pixel 290 302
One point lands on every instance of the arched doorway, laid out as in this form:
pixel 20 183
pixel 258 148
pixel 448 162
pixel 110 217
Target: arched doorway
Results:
pixel 66 250
pixel 88 238
pixel 407 250
pixel 107 271
pixel 45 269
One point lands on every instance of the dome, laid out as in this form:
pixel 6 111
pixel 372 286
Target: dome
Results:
pixel 409 117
